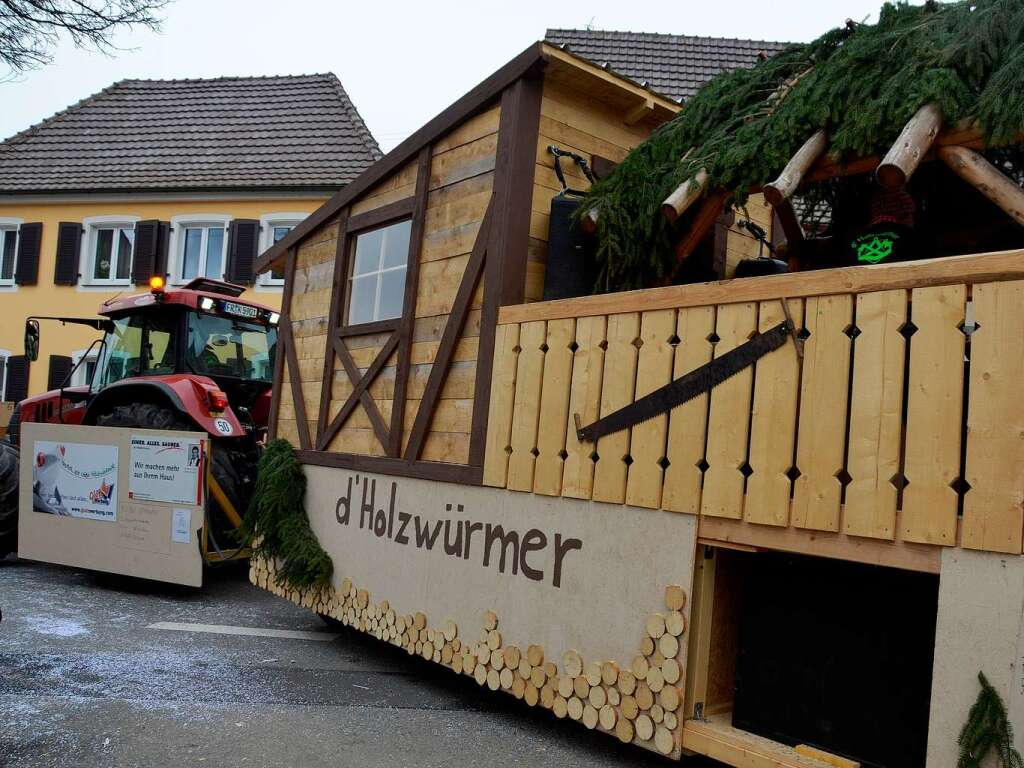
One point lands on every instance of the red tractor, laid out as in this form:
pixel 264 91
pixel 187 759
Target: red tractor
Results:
pixel 196 358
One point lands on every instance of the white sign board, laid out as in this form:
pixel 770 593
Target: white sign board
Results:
pixel 75 479
pixel 167 469
pixel 82 477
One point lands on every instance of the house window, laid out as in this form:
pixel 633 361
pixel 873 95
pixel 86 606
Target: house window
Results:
pixel 201 252
pixel 377 282
pixel 276 230
pixel 8 253
pixel 111 253
pixel 84 373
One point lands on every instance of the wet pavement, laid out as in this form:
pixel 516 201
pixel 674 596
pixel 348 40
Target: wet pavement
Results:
pixel 85 682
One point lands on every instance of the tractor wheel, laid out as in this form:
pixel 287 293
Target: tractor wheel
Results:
pixel 233 468
pixel 8 499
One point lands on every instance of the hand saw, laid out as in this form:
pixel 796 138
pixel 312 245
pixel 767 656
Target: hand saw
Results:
pixel 696 382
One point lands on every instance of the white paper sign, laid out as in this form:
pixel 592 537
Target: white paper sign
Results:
pixel 166 469
pixel 75 479
pixel 180 524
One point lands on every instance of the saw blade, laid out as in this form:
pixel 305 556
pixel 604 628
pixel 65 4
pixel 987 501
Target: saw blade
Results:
pixel 691 385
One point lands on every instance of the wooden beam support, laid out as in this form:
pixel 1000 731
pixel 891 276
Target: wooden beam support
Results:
pixel 333 321
pixel 685 195
pixel 639 112
pixel 973 168
pixel 284 330
pixel 359 384
pixel 914 141
pixel 789 180
pixel 286 303
pixel 704 220
pixel 450 338
pixel 789 222
pixel 362 383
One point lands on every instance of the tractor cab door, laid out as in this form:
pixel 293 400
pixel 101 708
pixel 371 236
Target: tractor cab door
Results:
pixel 142 344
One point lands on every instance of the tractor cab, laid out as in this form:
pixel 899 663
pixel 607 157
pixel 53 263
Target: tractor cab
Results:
pixel 199 349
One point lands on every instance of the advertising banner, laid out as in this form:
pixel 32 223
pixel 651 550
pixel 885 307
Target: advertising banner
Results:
pixel 75 479
pixel 168 469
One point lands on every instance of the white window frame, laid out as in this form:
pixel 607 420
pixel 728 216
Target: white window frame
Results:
pixel 92 225
pixel 176 243
pixel 8 224
pixel 5 356
pixel 267 223
pixel 378 273
pixel 79 379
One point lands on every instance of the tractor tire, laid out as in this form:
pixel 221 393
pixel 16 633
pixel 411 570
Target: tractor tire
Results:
pixel 8 499
pixel 13 435
pixel 233 468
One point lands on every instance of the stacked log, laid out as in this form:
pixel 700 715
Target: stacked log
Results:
pixel 640 702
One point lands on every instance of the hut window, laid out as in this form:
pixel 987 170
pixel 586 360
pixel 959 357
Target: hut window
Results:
pixel 8 251
pixel 377 282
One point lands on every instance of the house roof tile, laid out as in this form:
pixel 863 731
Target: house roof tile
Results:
pixel 227 133
pixel 672 65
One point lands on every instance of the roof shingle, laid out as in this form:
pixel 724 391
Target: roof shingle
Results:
pixel 672 65
pixel 224 133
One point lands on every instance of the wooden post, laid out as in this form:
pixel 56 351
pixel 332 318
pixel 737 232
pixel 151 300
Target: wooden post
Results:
pixel 917 136
pixel 704 220
pixel 789 222
pixel 973 168
pixel 786 184
pixel 685 195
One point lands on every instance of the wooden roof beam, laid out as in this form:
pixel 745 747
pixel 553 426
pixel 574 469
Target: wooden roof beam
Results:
pixel 973 168
pixel 787 182
pixel 913 144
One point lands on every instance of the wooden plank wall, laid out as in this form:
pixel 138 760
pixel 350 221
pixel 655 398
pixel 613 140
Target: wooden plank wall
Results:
pixel 862 438
pixel 462 167
pixel 576 123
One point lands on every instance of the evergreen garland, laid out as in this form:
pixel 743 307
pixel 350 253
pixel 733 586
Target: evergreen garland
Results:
pixel 861 83
pixel 987 726
pixel 277 516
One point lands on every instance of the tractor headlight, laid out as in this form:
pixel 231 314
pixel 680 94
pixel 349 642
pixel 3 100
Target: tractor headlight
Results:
pixel 206 303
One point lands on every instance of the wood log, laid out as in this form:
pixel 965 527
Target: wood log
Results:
pixel 671 720
pixel 565 686
pixel 513 657
pixel 607 717
pixel 518 687
pixel 973 168
pixel 656 625
pixel 792 230
pixel 640 667
pixel 663 741
pixel 669 698
pixel 675 623
pixel 535 655
pixel 490 620
pixel 560 706
pixel 647 645
pixel 914 141
pixel 644 696
pixel 624 730
pixel 614 697
pixel 575 707
pixel 789 180
pixel 675 597
pixel 609 673
pixel 572 663
pixel 671 671
pixel 669 646
pixel 685 195
pixel 531 694
pixel 657 713
pixel 581 687
pixel 655 681
pixel 644 727
pixel 590 716
pixel 598 697
pixel 627 681
pixel 593 673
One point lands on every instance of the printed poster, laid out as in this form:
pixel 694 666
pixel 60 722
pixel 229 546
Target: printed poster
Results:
pixel 75 480
pixel 168 469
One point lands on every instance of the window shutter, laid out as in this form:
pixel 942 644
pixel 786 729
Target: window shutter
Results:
pixel 162 264
pixel 146 255
pixel 69 245
pixel 29 238
pixel 17 379
pixel 60 367
pixel 243 247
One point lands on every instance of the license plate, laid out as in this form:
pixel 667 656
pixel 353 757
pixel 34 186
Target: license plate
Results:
pixel 242 310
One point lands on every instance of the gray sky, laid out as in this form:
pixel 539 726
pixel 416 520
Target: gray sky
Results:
pixel 401 62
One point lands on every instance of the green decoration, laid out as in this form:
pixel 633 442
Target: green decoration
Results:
pixel 872 249
pixel 860 82
pixel 987 726
pixel 277 521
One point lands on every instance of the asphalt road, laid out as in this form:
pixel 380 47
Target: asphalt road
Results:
pixel 85 682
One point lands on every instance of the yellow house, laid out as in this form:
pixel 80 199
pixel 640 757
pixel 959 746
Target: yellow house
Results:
pixel 183 178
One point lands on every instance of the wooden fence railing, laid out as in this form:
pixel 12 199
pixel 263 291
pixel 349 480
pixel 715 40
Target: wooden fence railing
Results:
pixel 903 422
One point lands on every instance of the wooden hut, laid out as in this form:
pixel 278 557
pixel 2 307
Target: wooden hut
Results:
pixel 752 575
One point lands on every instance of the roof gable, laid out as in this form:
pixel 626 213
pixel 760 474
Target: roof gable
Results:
pixel 224 133
pixel 675 65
